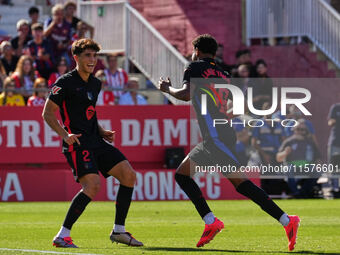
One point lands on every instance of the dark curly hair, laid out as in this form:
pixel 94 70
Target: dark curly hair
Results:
pixel 206 44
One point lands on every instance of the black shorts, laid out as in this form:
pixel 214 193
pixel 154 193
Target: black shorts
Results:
pixel 214 153
pixel 88 161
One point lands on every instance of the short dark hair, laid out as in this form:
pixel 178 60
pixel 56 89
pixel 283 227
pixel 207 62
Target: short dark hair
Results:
pixel 33 10
pixel 70 3
pixel 81 45
pixel 239 53
pixel 260 61
pixel 205 43
pixel 37 26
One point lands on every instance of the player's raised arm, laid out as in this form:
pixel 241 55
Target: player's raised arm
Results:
pixel 49 115
pixel 179 93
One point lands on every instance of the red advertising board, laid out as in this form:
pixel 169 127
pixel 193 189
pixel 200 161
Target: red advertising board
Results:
pixel 142 133
pixel 152 184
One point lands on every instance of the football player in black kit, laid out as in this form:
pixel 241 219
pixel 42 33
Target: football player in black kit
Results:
pixel 74 95
pixel 218 142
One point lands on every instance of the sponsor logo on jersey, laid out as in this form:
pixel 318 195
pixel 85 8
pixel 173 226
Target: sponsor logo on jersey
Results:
pixel 90 111
pixel 55 90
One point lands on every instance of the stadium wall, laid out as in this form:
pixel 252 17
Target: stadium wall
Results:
pixel 152 184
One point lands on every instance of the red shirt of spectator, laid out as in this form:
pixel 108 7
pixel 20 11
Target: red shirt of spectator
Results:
pixel 115 77
pixel 39 94
pixel 36 101
pixel 105 97
pixel 61 69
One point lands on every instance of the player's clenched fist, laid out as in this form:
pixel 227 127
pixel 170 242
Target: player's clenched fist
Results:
pixel 164 85
pixel 72 138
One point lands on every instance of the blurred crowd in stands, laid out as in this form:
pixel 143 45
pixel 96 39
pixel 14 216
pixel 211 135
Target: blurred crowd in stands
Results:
pixel 33 60
pixel 269 143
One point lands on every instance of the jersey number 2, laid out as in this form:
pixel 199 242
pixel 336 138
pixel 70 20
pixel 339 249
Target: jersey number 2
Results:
pixel 86 156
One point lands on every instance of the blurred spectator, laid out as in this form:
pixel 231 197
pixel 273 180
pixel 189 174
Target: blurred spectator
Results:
pixel 8 59
pixel 334 144
pixel 243 57
pixel 242 142
pixel 243 79
pixel 267 138
pixel 219 58
pixel 116 77
pixel 20 41
pixel 262 85
pixel 80 31
pixel 105 97
pixel 3 75
pixel 296 114
pixel 299 150
pixel 58 31
pixel 40 51
pixel 25 75
pixel 132 97
pixel 9 97
pixel 61 70
pixel 33 13
pixel 69 9
pixel 39 95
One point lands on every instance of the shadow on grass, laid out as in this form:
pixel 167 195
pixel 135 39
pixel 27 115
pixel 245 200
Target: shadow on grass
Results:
pixel 185 249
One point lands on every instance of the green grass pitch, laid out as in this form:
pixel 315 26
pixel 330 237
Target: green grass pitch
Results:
pixel 172 228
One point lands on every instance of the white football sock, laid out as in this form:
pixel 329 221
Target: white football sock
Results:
pixel 119 228
pixel 63 232
pixel 284 220
pixel 209 218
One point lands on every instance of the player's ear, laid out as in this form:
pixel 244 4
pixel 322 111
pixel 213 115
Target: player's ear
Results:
pixel 75 58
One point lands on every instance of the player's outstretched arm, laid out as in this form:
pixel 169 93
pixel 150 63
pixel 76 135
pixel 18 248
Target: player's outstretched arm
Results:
pixel 179 93
pixel 49 116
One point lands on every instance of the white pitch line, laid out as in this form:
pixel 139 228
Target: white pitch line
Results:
pixel 47 252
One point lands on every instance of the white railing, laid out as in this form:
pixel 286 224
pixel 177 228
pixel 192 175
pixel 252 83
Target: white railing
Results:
pixel 315 19
pixel 119 27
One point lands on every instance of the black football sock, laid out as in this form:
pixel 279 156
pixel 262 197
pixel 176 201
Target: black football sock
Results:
pixel 123 202
pixel 77 207
pixel 190 187
pixel 257 195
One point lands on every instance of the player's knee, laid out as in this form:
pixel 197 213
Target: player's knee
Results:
pixel 92 188
pixel 129 178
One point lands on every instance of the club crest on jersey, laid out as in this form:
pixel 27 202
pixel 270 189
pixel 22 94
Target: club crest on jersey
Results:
pixel 55 90
pixel 90 111
pixel 90 95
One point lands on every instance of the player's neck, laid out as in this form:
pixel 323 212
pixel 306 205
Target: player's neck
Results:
pixel 84 75
pixel 202 56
